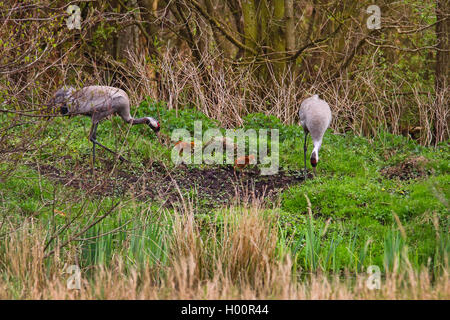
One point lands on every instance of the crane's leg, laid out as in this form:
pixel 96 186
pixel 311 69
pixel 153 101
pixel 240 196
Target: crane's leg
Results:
pixel 305 148
pixel 93 139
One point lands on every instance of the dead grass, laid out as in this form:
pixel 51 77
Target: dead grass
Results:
pixel 363 104
pixel 238 261
pixel 411 168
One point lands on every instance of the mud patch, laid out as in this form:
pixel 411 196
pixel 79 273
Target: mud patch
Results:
pixel 411 168
pixel 209 186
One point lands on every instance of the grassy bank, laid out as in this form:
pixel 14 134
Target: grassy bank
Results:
pixel 381 201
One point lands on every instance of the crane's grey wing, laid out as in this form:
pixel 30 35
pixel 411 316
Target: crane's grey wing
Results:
pixel 328 113
pixel 303 112
pixel 301 115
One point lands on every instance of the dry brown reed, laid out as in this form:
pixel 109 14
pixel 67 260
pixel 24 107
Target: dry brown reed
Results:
pixel 240 260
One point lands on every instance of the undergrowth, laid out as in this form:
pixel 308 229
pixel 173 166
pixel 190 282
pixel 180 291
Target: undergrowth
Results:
pixel 349 217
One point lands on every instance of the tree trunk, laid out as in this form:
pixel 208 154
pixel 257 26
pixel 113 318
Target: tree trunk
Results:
pixel 127 38
pixel 148 14
pixel 250 25
pixel 236 11
pixel 442 70
pixel 225 46
pixel 290 26
pixel 278 39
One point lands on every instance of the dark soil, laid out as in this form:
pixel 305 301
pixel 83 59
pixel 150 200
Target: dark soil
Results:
pixel 411 168
pixel 212 186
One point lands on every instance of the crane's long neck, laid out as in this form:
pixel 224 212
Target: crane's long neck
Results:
pixel 315 152
pixel 153 123
pixel 138 121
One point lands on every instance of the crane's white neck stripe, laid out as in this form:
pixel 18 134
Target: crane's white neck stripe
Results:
pixel 316 149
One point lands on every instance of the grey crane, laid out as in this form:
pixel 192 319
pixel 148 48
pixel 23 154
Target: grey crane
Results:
pixel 98 102
pixel 315 117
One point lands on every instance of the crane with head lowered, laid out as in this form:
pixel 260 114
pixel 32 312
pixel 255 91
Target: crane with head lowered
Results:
pixel 98 102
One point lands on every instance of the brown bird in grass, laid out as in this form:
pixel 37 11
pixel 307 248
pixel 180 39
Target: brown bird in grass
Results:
pixel 242 162
pixel 99 102
pixel 184 145
pixel 315 118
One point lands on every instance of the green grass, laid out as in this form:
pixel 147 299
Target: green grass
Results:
pixel 353 206
pixel 361 203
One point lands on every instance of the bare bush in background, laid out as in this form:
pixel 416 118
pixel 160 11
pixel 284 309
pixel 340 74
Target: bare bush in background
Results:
pixel 231 58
